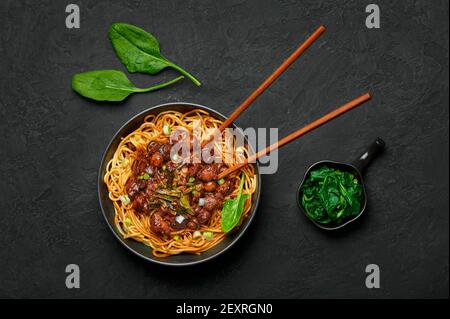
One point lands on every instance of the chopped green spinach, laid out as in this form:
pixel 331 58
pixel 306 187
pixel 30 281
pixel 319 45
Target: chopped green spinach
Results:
pixel 330 195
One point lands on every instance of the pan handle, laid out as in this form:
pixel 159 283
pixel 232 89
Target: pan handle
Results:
pixel 371 152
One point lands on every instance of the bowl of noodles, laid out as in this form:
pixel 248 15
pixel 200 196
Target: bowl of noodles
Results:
pixel 165 208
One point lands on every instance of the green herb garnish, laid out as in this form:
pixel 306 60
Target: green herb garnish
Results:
pixel 124 162
pixel 144 176
pixel 167 129
pixel 330 195
pixel 124 199
pixel 208 235
pixel 233 208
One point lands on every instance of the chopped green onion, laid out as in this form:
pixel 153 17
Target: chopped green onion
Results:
pixel 208 235
pixel 124 162
pixel 137 137
pixel 194 192
pixel 164 167
pixel 174 157
pixel 124 199
pixel 176 237
pixel 191 179
pixel 127 221
pixel 196 234
pixel 166 129
pixel 221 181
pixel 144 176
pixel 201 202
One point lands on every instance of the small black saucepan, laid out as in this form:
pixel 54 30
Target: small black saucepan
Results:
pixel 356 168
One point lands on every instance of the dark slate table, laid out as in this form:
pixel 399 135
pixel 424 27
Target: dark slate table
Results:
pixel 52 140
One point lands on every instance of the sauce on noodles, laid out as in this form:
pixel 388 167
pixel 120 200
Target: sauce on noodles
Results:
pixel 170 206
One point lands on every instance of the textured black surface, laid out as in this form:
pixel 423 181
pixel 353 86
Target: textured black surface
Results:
pixel 51 142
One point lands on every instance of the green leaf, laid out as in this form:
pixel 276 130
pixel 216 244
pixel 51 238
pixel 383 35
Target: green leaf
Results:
pixel 139 51
pixel 233 208
pixel 109 85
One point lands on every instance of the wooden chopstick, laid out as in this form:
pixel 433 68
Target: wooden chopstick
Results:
pixel 249 100
pixel 308 128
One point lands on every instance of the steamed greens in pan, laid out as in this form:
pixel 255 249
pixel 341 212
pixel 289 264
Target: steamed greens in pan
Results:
pixel 330 195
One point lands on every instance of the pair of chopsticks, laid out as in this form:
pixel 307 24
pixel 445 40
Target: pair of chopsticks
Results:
pixel 300 132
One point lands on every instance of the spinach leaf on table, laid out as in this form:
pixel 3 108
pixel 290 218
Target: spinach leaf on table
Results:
pixel 139 51
pixel 109 85
pixel 233 208
pixel 330 195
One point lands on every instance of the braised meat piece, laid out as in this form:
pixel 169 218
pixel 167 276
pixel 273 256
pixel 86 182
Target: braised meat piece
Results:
pixel 208 173
pixel 157 159
pixel 139 164
pixel 212 202
pixel 140 203
pixel 193 223
pixel 152 147
pixel 134 186
pixel 165 151
pixel 226 188
pixel 193 169
pixel 158 224
pixel 210 186
pixel 204 216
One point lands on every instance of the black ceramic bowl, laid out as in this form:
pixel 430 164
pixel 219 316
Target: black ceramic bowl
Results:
pixel 108 208
pixel 357 168
pixel 344 167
